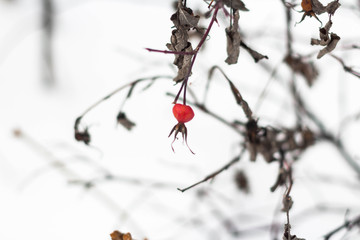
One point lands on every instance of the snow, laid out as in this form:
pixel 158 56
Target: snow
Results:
pixel 99 46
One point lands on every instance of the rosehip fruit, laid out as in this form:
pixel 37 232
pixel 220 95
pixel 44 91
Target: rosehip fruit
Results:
pixel 183 113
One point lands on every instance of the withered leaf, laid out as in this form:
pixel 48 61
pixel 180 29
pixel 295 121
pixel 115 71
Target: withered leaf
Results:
pixel 239 100
pixel 124 121
pixel 328 40
pixel 235 4
pixel 324 35
pixel 244 105
pixel 256 55
pixel 287 234
pixel 241 181
pixel 319 8
pixel 233 40
pixel 83 136
pixel 287 203
pixel 184 64
pixel 187 18
pixel 334 39
pixel 183 20
pixel 116 235
pixel 306 69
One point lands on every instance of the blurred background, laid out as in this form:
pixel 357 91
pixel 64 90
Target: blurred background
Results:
pixel 58 57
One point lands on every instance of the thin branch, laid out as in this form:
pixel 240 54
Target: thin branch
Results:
pixel 217 172
pixel 345 67
pixel 289 38
pixel 347 224
pixel 78 119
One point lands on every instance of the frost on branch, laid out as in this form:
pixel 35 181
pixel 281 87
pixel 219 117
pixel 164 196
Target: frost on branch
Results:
pixel 183 20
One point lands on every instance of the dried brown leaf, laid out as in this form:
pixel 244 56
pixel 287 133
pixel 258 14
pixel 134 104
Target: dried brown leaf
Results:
pixel 241 181
pixel 306 69
pixel 324 35
pixel 233 40
pixel 187 19
pixel 334 39
pixel 183 20
pixel 255 55
pixel 287 203
pixel 184 64
pixel 124 121
pixel 235 4
pixel 287 234
pixel 244 105
pixel 319 8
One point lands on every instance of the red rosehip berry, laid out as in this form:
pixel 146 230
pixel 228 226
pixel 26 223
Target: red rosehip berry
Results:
pixel 183 113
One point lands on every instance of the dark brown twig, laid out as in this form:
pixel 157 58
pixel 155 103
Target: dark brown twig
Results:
pixel 217 172
pixel 348 224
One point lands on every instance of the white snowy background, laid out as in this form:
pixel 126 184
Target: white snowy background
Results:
pixel 99 46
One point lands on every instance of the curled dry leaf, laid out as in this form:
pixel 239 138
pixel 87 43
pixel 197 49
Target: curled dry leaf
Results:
pixel 330 8
pixel 233 40
pixel 124 121
pixel 255 55
pixel 306 69
pixel 186 18
pixel 241 181
pixel 235 4
pixel 183 20
pixel 239 99
pixel 324 35
pixel 334 39
pixel 287 234
pixel 271 143
pixel 287 203
pixel 81 136
pixel 328 40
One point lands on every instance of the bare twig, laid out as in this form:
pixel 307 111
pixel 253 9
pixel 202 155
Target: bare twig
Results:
pixel 345 67
pixel 47 22
pixel 348 224
pixel 217 172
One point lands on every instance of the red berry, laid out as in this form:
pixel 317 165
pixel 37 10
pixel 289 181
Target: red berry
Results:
pixel 183 113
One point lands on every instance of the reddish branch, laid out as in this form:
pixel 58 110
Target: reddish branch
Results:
pixel 194 53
